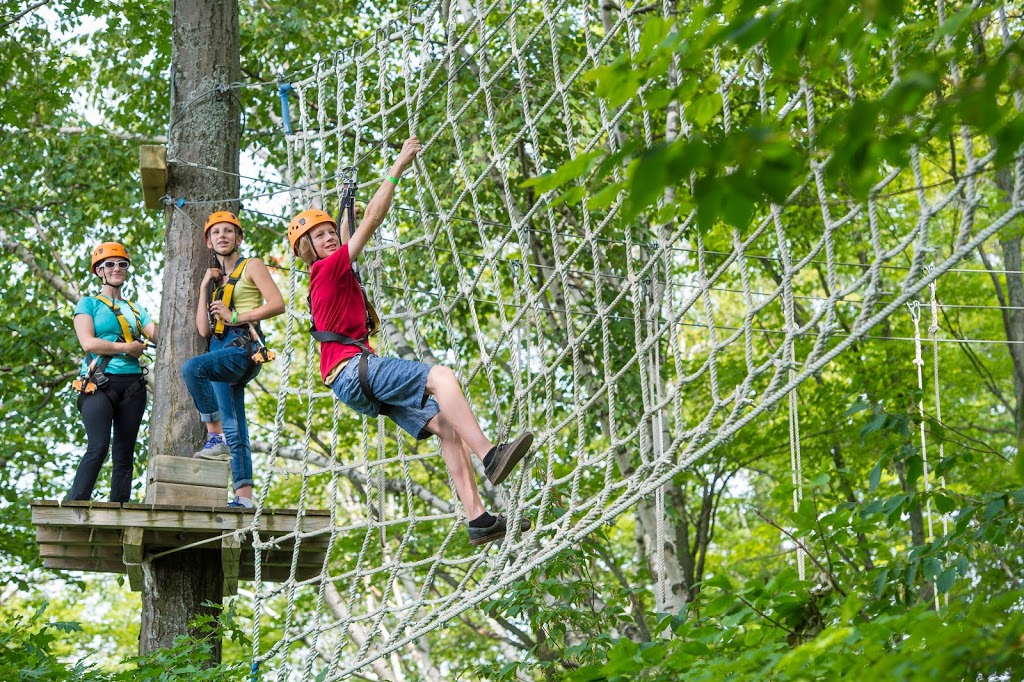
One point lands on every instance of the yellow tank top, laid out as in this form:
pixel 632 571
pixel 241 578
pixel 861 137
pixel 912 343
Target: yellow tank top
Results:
pixel 247 295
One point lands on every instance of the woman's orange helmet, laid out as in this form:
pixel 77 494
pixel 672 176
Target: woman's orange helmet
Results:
pixel 222 217
pixel 306 221
pixel 108 250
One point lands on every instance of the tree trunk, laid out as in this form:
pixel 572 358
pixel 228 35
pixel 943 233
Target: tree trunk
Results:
pixel 204 129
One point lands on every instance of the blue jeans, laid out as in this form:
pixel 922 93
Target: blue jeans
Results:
pixel 212 380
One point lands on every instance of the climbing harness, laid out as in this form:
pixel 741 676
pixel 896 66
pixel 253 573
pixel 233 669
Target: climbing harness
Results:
pixel 94 377
pixel 225 293
pixel 253 342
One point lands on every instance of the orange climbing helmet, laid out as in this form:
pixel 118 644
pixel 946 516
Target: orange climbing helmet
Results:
pixel 306 221
pixel 222 217
pixel 108 250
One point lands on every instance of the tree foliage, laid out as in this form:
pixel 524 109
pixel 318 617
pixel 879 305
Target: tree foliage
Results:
pixel 884 595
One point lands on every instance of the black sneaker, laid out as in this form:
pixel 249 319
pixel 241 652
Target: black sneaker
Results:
pixel 507 456
pixel 495 531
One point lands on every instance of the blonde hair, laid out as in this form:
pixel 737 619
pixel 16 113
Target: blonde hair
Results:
pixel 305 250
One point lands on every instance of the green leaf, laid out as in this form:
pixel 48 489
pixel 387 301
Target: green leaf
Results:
pixel 719 605
pixel 570 170
pixel 943 503
pixel 945 580
pixel 605 197
pixel 881 581
pixel 874 424
pixel 954 23
pixel 993 508
pixel 704 108
pixel 856 407
pixel 876 475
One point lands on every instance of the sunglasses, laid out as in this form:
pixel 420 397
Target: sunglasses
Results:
pixel 111 264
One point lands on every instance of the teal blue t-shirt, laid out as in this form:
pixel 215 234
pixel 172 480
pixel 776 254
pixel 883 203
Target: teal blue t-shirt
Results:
pixel 106 326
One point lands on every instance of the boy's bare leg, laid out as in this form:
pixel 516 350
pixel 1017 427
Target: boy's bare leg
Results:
pixel 444 386
pixel 456 458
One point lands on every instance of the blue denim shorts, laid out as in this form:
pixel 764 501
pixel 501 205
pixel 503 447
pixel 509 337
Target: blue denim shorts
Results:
pixel 399 384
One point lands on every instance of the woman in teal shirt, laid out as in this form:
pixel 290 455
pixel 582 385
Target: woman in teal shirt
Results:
pixel 112 390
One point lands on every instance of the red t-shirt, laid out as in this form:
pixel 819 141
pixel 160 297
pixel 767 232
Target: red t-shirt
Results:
pixel 336 302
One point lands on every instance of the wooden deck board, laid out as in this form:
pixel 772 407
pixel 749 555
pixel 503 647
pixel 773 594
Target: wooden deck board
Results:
pixel 103 536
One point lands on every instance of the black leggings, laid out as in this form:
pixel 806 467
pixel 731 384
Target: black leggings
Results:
pixel 119 404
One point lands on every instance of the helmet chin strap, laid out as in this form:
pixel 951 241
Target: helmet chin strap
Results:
pixel 223 260
pixel 316 252
pixel 103 279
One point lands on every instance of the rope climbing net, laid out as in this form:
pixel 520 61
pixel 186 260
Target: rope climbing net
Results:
pixel 632 348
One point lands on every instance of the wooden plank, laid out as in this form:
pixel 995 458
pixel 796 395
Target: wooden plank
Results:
pixel 155 539
pixel 76 503
pixel 175 493
pixel 77 536
pixel 230 561
pixel 83 564
pixel 153 168
pixel 175 519
pixel 188 471
pixel 80 551
pixel 132 538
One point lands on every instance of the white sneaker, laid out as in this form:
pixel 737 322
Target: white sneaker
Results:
pixel 215 448
pixel 243 502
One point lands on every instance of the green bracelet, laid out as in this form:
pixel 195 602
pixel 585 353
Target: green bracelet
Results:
pixel 392 178
pixel 234 317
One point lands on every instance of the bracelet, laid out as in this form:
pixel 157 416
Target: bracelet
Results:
pixel 234 317
pixel 392 178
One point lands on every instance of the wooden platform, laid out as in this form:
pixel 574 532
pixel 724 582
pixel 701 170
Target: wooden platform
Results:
pixel 115 538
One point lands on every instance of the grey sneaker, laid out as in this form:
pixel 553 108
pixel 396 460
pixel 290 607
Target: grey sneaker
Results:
pixel 215 448
pixel 242 502
pixel 507 456
pixel 496 531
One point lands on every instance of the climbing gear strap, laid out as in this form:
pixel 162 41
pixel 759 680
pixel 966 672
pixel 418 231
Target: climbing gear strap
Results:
pixel 257 352
pixel 126 327
pixel 364 367
pixel 225 294
pixel 94 377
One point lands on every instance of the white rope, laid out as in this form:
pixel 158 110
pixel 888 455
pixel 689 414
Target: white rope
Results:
pixel 915 314
pixel 933 330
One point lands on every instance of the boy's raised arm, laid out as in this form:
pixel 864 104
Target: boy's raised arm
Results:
pixel 380 204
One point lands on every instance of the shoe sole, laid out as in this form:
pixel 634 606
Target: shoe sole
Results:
pixel 212 458
pixel 513 454
pixel 487 539
pixel 525 525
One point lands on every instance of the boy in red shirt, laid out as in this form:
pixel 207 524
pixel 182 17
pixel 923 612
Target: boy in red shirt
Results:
pixel 424 400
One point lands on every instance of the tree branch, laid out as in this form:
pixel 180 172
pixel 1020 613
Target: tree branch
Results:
pixel 68 290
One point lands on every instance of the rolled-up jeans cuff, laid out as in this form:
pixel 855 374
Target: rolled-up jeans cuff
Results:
pixel 244 482
pixel 211 417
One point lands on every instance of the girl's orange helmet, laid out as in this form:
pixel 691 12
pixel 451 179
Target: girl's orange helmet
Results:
pixel 222 217
pixel 108 250
pixel 306 221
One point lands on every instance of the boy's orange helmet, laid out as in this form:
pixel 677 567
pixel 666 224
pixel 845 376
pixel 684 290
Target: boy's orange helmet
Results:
pixel 108 250
pixel 222 217
pixel 306 221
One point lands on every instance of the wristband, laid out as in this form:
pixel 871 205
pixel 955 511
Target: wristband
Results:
pixel 234 317
pixel 392 178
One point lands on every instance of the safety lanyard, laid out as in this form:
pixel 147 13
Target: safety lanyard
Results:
pixel 348 206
